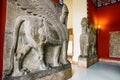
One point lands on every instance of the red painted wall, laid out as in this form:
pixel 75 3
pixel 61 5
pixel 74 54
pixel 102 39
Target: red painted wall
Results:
pixel 109 19
pixel 2 27
pixel 56 1
pixel 92 12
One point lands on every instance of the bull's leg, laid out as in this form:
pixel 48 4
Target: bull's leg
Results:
pixel 20 58
pixel 16 65
pixel 81 47
pixel 56 56
pixel 40 52
pixel 92 50
pixel 86 48
pixel 64 53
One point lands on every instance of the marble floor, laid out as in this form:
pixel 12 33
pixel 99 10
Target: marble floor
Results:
pixel 98 71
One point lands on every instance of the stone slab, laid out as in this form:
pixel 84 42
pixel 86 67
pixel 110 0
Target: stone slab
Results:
pixel 86 62
pixel 63 75
pixel 45 21
pixel 57 73
pixel 114 44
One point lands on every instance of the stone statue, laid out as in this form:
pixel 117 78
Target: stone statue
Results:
pixel 37 31
pixel 84 38
pixel 88 54
pixel 87 39
pixel 92 40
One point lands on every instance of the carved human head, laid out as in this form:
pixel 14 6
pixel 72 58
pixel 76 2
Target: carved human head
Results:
pixel 84 22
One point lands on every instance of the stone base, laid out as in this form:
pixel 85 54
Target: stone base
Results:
pixel 57 73
pixel 63 75
pixel 86 62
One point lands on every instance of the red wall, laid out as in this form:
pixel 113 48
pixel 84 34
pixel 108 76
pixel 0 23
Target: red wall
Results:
pixel 56 1
pixel 109 19
pixel 2 26
pixel 92 12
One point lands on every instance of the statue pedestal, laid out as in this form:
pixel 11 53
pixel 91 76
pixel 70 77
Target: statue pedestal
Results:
pixel 86 62
pixel 63 72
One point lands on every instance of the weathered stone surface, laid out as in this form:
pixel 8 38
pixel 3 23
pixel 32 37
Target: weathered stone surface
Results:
pixel 84 38
pixel 87 39
pixel 57 73
pixel 36 38
pixel 115 44
pixel 86 62
pixel 62 75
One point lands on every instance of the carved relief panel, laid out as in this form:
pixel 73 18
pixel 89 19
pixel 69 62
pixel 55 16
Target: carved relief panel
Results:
pixel 36 36
pixel 115 44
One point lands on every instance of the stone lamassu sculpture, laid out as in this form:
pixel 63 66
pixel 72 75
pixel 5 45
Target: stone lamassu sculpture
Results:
pixel 84 38
pixel 35 33
pixel 88 54
pixel 92 40
pixel 87 39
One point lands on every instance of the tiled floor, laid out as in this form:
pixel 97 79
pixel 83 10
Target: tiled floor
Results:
pixel 98 71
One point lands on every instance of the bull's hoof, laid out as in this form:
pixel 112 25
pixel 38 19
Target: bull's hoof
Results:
pixel 65 61
pixel 57 64
pixel 43 67
pixel 7 73
pixel 25 71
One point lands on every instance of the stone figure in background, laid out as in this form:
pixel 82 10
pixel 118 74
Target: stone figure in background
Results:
pixel 92 40
pixel 84 38
pixel 88 54
pixel 34 32
pixel 87 39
